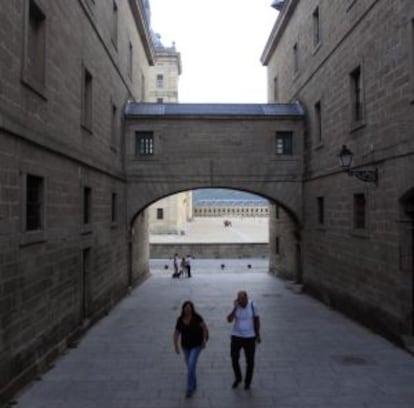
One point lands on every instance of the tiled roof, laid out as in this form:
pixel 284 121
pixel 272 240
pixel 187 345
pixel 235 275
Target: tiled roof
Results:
pixel 213 109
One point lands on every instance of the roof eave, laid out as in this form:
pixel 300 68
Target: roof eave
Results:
pixel 277 31
pixel 142 25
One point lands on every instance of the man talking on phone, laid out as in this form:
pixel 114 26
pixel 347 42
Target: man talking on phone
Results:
pixel 244 335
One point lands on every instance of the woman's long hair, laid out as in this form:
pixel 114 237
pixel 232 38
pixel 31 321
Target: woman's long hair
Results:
pixel 187 302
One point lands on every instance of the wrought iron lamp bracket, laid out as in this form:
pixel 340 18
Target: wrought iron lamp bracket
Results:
pixel 370 176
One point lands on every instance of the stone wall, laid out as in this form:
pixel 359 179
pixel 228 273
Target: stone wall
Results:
pixel 209 250
pixel 59 278
pixel 355 269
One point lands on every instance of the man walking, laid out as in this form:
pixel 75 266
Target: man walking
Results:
pixel 244 335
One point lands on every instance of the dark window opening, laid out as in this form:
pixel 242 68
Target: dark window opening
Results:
pixel 114 207
pixel 359 211
pixel 34 202
pixel 356 95
pixel 321 210
pixel 87 196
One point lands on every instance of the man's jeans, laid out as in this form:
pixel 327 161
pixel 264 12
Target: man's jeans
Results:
pixel 191 357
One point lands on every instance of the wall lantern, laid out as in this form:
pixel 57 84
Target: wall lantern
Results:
pixel 345 159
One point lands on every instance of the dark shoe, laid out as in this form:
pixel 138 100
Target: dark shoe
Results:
pixel 235 384
pixel 188 394
pixel 247 386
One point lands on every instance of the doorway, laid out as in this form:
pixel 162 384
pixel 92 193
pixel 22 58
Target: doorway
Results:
pixel 84 284
pixel 407 251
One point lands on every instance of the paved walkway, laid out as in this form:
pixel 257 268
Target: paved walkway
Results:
pixel 310 357
pixel 212 230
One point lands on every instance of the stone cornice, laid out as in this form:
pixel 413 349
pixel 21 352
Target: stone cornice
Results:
pixel 138 11
pixel 278 29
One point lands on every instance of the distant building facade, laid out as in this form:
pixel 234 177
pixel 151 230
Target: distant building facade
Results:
pixel 231 208
pixel 168 215
pixel 351 64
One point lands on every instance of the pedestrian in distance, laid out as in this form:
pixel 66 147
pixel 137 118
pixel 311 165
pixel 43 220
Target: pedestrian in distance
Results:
pixel 183 267
pixel 192 332
pixel 244 335
pixel 188 265
pixel 175 263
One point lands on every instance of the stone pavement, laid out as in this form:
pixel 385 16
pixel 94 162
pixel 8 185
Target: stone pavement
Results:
pixel 212 230
pixel 310 357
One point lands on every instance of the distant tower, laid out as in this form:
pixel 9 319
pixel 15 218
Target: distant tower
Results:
pixel 162 83
pixel 169 215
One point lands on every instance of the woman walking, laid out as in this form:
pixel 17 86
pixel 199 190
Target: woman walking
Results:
pixel 193 331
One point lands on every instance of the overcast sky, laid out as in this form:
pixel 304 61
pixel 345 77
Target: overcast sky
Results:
pixel 220 42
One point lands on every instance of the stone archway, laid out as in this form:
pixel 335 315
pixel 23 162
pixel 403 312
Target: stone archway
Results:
pixel 287 266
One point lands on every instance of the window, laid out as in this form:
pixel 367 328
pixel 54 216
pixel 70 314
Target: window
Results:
pixel 277 212
pixel 359 211
pixel 277 245
pixel 114 207
pixel 295 58
pixel 34 203
pixel 144 143
pixel 114 127
pixel 275 90
pixel 160 81
pixel 130 61
pixel 357 114
pixel 316 28
pixel 35 50
pixel 321 210
pixel 160 213
pixel 114 32
pixel 87 201
pixel 160 100
pixel 318 121
pixel 284 143
pixel 87 101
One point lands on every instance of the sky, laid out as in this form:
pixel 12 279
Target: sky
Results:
pixel 221 42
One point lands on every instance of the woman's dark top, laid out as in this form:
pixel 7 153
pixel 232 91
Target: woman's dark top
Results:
pixel 192 333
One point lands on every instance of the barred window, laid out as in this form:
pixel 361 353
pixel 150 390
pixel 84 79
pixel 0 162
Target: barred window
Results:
pixel 144 143
pixel 283 143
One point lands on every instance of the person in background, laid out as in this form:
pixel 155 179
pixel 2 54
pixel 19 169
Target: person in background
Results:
pixel 175 262
pixel 193 331
pixel 244 335
pixel 188 265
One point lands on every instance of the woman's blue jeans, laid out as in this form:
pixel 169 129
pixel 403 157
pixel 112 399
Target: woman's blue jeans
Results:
pixel 191 357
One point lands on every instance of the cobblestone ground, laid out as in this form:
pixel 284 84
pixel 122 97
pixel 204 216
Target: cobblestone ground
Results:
pixel 310 357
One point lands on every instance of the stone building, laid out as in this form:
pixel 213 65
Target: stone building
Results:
pixel 168 215
pixel 350 63
pixel 231 208
pixel 67 70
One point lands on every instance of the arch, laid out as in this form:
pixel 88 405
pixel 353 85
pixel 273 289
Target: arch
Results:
pixel 141 206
